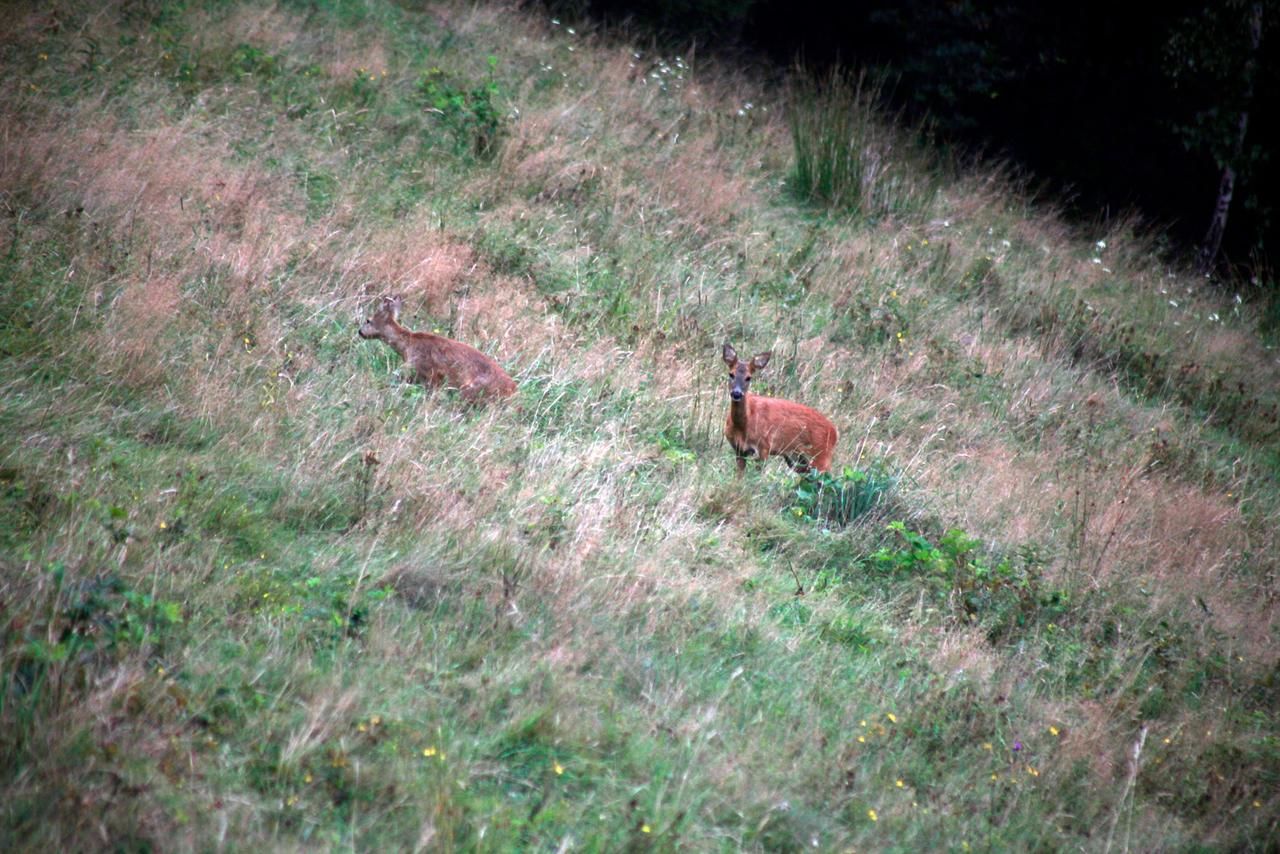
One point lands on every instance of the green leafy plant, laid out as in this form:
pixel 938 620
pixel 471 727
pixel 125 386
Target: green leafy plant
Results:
pixel 838 499
pixel 87 621
pixel 470 112
pixel 1002 595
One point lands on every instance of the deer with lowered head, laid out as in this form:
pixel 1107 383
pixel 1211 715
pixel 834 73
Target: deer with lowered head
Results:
pixel 761 427
pixel 436 360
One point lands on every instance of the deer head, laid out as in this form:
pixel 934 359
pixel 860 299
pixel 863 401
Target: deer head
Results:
pixel 387 315
pixel 740 372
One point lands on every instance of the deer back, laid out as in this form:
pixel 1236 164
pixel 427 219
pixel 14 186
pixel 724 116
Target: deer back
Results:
pixel 439 361
pixel 764 426
pixel 783 427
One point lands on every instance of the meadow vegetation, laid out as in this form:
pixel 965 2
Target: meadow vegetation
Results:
pixel 258 591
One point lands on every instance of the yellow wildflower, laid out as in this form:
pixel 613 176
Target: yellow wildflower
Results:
pixel 559 769
pixel 644 828
pixel 871 814
pixel 1053 730
pixel 899 783
pixel 428 751
pixel 893 719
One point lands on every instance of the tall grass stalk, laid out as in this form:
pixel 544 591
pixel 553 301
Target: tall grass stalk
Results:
pixel 849 156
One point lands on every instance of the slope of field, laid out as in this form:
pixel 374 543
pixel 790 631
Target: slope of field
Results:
pixel 258 591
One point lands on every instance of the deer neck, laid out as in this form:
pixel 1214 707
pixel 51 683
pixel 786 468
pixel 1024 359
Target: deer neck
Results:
pixel 398 337
pixel 739 413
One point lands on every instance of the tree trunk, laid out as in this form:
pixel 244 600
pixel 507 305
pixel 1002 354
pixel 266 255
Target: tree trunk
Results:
pixel 1212 242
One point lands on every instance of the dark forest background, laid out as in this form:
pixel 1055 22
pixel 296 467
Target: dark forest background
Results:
pixel 1107 107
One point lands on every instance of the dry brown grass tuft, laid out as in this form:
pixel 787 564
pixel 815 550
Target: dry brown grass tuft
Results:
pixel 474 19
pixel 1194 542
pixel 177 202
pixel 327 714
pixel 132 342
pixel 1006 495
pixel 354 59
pixel 1200 531
pixel 1231 347
pixel 963 653
pixel 849 264
pixel 676 376
pixel 414 259
pixel 1044 231
pixel 1088 734
pixel 702 191
pixel 256 227
pixel 506 310
pixel 540 160
pixel 158 174
pixel 271 28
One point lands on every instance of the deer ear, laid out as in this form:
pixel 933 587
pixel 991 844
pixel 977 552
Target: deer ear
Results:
pixel 730 355
pixel 394 304
pixel 761 359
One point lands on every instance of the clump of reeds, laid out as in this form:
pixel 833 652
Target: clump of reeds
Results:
pixel 848 157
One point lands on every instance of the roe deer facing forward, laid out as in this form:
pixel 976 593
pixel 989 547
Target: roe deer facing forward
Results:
pixel 762 426
pixel 436 360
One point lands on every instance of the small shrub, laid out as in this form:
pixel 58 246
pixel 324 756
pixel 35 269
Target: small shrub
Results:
pixel 471 113
pixel 840 499
pixel 1003 596
pixel 80 623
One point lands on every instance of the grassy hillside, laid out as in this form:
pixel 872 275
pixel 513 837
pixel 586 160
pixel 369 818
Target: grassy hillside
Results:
pixel 256 591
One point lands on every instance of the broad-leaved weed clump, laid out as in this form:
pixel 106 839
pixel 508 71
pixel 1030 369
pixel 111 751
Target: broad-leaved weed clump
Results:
pixel 1004 597
pixel 839 499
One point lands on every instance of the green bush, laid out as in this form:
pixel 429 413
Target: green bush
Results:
pixel 1003 596
pixel 840 499
pixel 471 113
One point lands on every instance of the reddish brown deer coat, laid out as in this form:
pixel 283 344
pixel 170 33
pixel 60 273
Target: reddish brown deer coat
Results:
pixel 761 427
pixel 436 360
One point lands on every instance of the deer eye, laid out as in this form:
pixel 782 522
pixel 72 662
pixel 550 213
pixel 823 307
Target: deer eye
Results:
pixel 746 379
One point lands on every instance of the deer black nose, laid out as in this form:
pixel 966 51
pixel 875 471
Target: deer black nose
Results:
pixel 736 394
